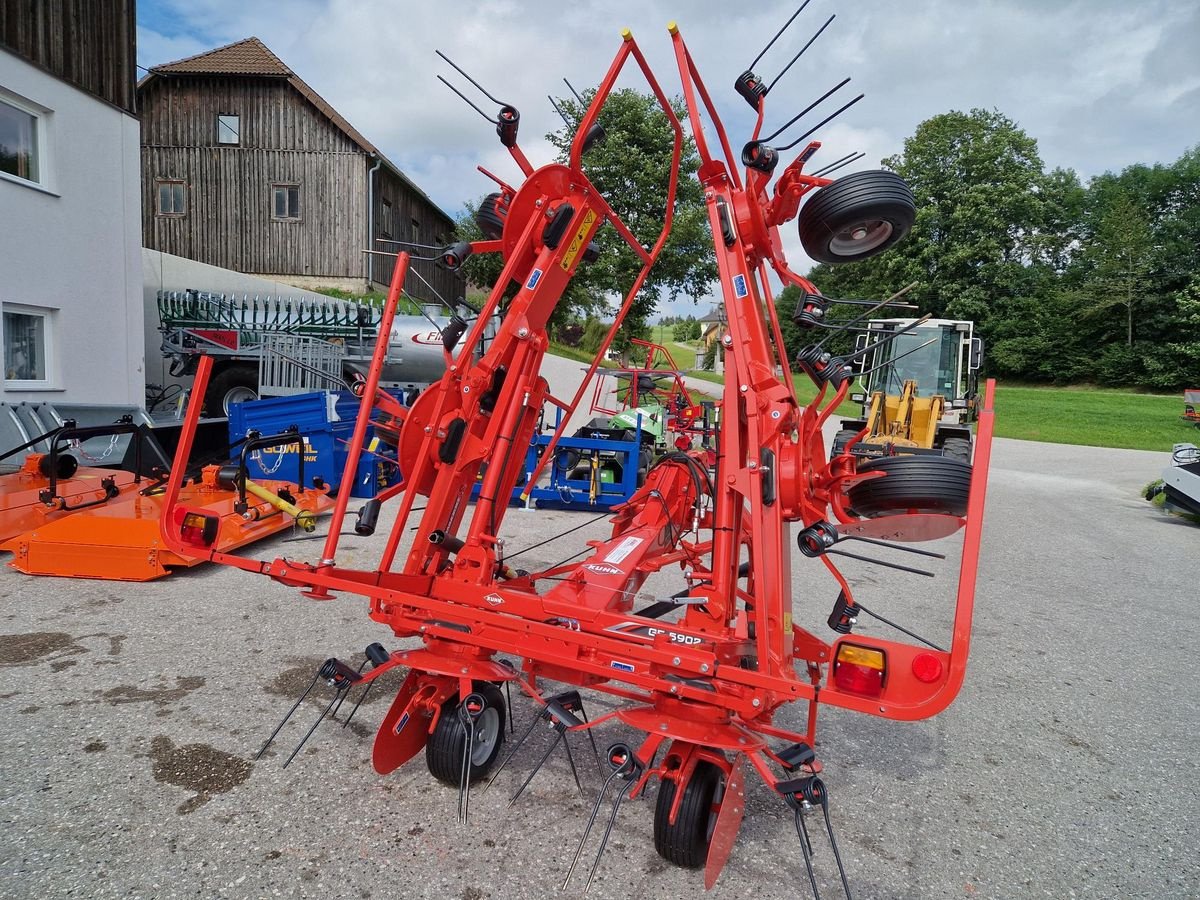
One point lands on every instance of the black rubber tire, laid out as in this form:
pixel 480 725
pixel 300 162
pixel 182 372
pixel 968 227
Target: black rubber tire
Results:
pixel 686 842
pixel 957 448
pixel 489 220
pixel 443 752
pixel 840 440
pixel 227 384
pixel 879 201
pixel 924 483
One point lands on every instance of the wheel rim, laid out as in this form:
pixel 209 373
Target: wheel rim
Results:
pixel 487 732
pixel 239 394
pixel 862 237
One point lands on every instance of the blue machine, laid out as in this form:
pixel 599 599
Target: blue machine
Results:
pixel 326 422
pixel 589 472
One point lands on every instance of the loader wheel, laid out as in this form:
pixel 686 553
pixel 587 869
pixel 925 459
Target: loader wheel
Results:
pixel 685 843
pixel 957 448
pixel 444 752
pixel 856 217
pixel 932 484
pixel 233 384
pixel 840 440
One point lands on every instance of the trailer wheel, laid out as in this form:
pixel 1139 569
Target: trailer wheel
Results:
pixel 444 752
pixel 233 384
pixel 685 843
pixel 856 217
pixel 957 448
pixel 932 484
pixel 840 440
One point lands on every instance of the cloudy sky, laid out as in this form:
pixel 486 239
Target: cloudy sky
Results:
pixel 1100 84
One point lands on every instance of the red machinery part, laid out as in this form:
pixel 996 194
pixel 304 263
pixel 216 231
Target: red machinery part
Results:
pixel 712 681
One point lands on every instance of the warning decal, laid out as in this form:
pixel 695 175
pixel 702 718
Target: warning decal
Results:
pixel 577 242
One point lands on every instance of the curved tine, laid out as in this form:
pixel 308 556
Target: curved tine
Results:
pixel 470 79
pixel 587 828
pixel 806 847
pixel 466 101
pixel 541 762
pixel 833 843
pixel 320 719
pixel 515 747
pixel 295 706
pixel 607 833
pixel 464 772
pixel 771 42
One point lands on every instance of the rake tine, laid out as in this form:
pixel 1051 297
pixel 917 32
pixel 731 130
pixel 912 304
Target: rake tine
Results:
pixel 320 719
pixel 571 760
pixel 284 721
pixel 612 819
pixel 592 738
pixel 541 762
pixel 362 666
pixel 361 698
pixel 515 747
pixel 464 772
pixel 587 829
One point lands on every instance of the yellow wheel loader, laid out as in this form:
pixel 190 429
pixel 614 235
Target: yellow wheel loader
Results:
pixel 920 390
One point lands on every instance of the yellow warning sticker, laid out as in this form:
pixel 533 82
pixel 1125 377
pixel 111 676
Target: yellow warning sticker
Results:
pixel 576 245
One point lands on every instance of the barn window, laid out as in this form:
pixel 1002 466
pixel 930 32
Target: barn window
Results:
pixel 172 198
pixel 19 150
pixel 229 130
pixel 287 201
pixel 416 232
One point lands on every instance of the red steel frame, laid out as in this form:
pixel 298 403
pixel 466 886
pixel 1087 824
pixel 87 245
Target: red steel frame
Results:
pixel 712 682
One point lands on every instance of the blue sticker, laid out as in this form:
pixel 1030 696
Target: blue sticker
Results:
pixel 534 277
pixel 623 666
pixel 739 286
pixel 400 725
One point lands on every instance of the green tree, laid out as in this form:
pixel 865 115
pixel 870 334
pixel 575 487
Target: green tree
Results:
pixel 631 169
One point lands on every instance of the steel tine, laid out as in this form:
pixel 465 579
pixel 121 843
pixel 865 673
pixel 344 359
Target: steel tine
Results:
pixel 571 760
pixel 320 719
pixel 347 694
pixel 806 847
pixel 361 698
pixel 620 795
pixel 295 707
pixel 592 738
pixel 541 762
pixel 515 747
pixel 587 828
pixel 464 771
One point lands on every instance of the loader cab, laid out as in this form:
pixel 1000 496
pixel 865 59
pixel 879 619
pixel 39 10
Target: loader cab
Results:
pixel 943 357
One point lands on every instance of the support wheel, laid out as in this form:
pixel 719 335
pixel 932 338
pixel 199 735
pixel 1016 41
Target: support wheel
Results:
pixel 233 384
pixel 856 217
pixel 685 843
pixel 957 448
pixel 444 752
pixel 489 218
pixel 929 484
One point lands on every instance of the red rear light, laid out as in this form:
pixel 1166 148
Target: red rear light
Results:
pixel 197 529
pixel 859 670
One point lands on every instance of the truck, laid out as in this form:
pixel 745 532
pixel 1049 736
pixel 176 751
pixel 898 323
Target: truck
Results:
pixel 281 345
pixel 919 389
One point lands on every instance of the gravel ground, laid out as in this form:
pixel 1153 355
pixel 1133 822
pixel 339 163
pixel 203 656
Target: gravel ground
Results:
pixel 1066 768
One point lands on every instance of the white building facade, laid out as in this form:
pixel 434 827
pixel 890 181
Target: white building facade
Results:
pixel 70 242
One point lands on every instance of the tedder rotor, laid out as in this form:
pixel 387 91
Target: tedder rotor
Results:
pixel 704 673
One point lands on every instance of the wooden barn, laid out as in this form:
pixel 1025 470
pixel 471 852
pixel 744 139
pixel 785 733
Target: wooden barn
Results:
pixel 246 167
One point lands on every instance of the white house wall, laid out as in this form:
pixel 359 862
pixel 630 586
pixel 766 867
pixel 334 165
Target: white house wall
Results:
pixel 74 248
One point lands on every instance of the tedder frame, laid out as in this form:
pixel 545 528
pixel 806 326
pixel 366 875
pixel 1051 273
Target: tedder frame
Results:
pixel 705 672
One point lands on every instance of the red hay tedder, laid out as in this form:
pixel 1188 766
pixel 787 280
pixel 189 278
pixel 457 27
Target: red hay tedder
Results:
pixel 704 672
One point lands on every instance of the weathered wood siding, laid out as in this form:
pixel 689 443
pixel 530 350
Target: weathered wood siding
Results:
pixel 284 139
pixel 397 206
pixel 89 43
pixel 229 220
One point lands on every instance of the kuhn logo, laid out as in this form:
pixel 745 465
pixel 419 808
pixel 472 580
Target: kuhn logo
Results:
pixel 428 338
pixel 601 569
pixel 494 599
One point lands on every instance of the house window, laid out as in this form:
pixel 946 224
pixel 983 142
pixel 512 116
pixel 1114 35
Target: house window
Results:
pixel 416 232
pixel 19 151
pixel 27 333
pixel 228 130
pixel 287 201
pixel 172 198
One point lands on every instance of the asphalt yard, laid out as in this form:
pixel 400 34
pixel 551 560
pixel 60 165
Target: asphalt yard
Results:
pixel 1067 767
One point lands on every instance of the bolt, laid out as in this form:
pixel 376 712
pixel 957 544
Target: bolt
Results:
pixel 428 428
pixel 465 670
pixel 522 332
pixel 756 703
pixel 421 629
pixel 662 727
pixel 674 689
pixel 704 667
pixel 753 465
pixel 741 740
pixel 727 340
pixel 775 414
pixel 538 203
pixel 744 388
pixel 676 660
pixel 466 389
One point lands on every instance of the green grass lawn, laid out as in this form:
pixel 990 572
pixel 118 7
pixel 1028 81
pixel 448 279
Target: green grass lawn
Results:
pixel 1092 417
